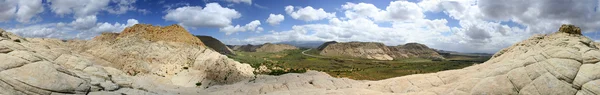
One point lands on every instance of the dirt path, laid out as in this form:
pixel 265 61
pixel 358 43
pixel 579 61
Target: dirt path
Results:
pixel 303 53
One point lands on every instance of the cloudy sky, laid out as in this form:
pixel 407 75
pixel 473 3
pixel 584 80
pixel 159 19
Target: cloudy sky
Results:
pixel 458 25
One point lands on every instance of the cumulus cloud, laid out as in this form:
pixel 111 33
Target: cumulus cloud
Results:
pixel 396 11
pixel 475 33
pixel 122 6
pixel 71 31
pixel 84 23
pixel 240 1
pixel 275 19
pixel 23 10
pixel 80 8
pixel 213 15
pixel 308 13
pixel 252 26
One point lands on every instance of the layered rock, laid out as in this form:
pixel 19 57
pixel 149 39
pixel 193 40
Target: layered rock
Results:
pixel 377 51
pixel 368 50
pixel 130 64
pixel 173 33
pixel 216 45
pixel 562 63
pixel 267 47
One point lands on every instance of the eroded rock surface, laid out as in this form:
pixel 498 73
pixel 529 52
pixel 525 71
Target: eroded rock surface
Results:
pixel 561 63
pixel 130 65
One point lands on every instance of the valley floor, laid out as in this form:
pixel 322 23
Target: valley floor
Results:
pixel 298 61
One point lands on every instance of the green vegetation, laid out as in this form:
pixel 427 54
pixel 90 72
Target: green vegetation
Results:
pixel 293 61
pixel 198 84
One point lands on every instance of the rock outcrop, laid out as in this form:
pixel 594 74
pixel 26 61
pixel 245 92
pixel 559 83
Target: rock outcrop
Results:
pixel 377 51
pixel 173 33
pixel 129 64
pixel 267 47
pixel 216 45
pixel 562 63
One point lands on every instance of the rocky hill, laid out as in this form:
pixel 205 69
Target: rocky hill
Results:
pixel 562 63
pixel 368 50
pixel 267 47
pixel 133 63
pixel 377 51
pixel 173 33
pixel 216 45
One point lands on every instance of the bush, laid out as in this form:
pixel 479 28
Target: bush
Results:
pixel 198 84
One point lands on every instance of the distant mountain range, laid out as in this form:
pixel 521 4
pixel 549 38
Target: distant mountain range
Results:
pixel 303 44
pixel 446 52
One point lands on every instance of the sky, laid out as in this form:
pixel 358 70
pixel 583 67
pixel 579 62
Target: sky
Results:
pixel 458 25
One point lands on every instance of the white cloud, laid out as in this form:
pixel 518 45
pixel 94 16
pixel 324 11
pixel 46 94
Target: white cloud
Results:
pixel 275 19
pixel 396 11
pixel 23 10
pixel 240 1
pixel 252 26
pixel 80 8
pixel 122 6
pixel 69 31
pixel 195 16
pixel 260 6
pixel 84 23
pixel 308 13
pixel 475 34
pixel 360 10
pixel 402 10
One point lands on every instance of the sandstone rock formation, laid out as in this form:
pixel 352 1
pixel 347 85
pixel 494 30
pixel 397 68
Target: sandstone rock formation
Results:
pixel 377 51
pixel 216 45
pixel 130 64
pixel 562 63
pixel 173 33
pixel 267 47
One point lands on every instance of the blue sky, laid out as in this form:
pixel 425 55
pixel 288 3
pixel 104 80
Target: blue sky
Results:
pixel 459 25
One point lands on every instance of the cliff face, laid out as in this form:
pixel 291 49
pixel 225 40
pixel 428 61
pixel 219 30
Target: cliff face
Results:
pixel 267 47
pixel 378 51
pixel 216 45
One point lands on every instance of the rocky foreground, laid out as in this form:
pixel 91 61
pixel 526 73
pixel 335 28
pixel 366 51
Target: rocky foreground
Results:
pixel 563 63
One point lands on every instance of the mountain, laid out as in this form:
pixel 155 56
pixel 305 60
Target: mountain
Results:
pixel 377 51
pixel 215 45
pixel 303 44
pixel 445 52
pixel 267 47
pixel 561 63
